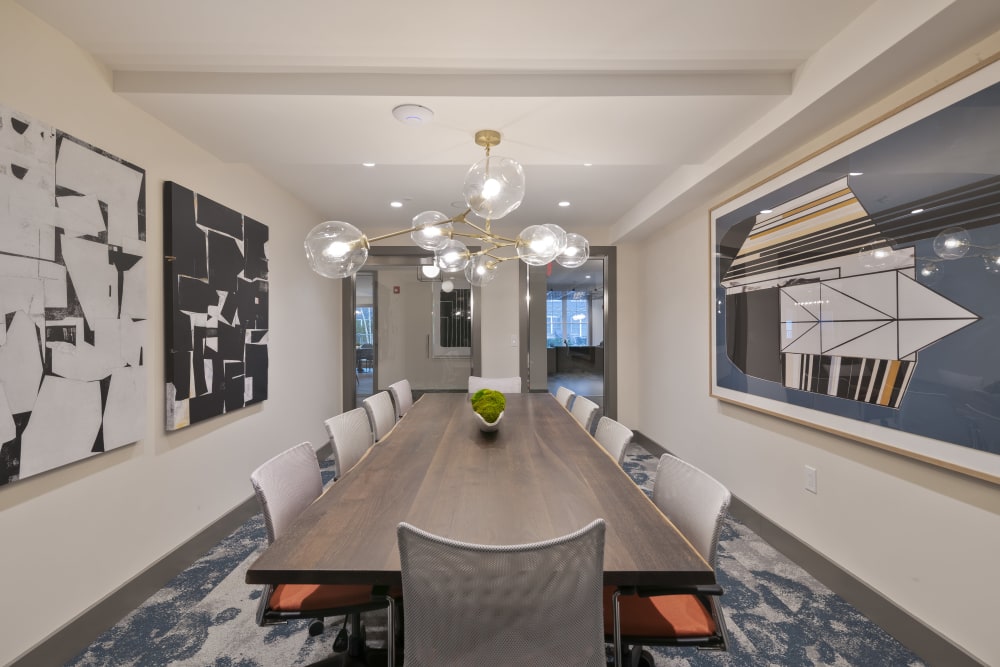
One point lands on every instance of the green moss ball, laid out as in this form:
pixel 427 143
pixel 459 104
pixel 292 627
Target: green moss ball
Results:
pixel 489 404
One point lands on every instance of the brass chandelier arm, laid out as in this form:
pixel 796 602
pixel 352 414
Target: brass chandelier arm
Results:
pixel 376 239
pixel 458 218
pixel 499 258
pixel 489 236
pixel 479 229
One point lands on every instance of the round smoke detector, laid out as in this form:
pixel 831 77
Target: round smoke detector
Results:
pixel 412 114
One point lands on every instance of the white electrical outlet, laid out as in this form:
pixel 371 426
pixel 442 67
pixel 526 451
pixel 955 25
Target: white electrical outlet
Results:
pixel 811 479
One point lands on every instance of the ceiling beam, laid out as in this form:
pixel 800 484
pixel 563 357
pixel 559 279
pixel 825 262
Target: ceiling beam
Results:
pixel 481 84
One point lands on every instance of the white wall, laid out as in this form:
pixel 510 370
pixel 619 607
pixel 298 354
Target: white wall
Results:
pixel 924 537
pixel 404 327
pixel 500 338
pixel 73 535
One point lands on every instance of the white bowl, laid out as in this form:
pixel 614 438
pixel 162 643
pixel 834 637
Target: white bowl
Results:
pixel 485 426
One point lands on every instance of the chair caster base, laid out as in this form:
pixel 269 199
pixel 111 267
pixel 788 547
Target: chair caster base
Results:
pixel 340 641
pixel 632 657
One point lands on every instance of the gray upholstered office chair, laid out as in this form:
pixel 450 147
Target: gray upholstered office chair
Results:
pixel 565 396
pixel 528 605
pixel 285 485
pixel 584 410
pixel 402 397
pixel 511 385
pixel 696 504
pixel 614 437
pixel 350 436
pixel 381 414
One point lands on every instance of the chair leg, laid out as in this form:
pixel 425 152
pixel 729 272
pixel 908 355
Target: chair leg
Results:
pixel 390 630
pixel 356 648
pixel 617 628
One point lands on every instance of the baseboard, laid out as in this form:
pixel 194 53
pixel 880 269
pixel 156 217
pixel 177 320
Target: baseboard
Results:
pixel 931 646
pixel 68 641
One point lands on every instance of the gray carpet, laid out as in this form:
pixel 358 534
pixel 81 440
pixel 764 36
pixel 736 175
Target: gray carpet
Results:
pixel 776 613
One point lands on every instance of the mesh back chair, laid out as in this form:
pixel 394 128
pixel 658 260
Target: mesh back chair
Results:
pixel 381 414
pixel 350 436
pixel 564 396
pixel 584 410
pixel 696 504
pixel 525 605
pixel 285 485
pixel 402 397
pixel 510 385
pixel 614 437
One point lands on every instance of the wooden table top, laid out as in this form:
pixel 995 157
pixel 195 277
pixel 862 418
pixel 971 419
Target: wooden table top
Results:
pixel 538 477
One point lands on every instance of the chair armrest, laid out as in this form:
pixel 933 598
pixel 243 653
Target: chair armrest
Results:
pixel 653 591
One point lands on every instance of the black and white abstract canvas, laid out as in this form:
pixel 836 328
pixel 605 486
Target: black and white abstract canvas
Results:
pixel 72 296
pixel 216 295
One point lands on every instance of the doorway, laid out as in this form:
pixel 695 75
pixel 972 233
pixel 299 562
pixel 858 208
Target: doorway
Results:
pixel 568 320
pixel 404 322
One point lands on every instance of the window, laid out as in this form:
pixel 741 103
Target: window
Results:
pixel 455 318
pixel 567 319
pixel 363 333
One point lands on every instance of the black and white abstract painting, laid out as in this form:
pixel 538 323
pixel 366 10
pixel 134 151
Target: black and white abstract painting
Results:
pixel 72 296
pixel 216 298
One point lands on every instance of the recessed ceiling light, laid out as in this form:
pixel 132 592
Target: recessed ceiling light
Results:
pixel 766 211
pixel 917 210
pixel 587 277
pixel 367 164
pixel 588 164
pixel 413 114
pixel 856 173
pixel 564 204
pixel 396 204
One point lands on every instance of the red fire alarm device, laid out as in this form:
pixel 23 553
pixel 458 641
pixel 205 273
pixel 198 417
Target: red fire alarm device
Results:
pixel 395 289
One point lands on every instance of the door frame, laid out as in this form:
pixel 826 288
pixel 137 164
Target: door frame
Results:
pixel 388 256
pixel 610 308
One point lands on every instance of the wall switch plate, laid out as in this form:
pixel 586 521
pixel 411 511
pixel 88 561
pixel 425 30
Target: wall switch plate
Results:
pixel 513 341
pixel 811 479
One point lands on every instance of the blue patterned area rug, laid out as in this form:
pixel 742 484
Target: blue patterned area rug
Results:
pixel 776 613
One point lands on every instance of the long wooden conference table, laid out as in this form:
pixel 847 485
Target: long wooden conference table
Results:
pixel 539 476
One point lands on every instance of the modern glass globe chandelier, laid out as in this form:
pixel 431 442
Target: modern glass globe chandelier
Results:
pixel 493 187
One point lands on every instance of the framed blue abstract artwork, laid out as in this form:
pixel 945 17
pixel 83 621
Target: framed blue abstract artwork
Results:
pixel 859 291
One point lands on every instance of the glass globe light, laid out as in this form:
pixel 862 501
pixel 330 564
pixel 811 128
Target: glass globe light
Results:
pixel 992 263
pixel 876 255
pixel 929 272
pixel 481 270
pixel 576 252
pixel 952 243
pixel 430 270
pixel 447 286
pixel 560 235
pixel 537 245
pixel 453 256
pixel 336 249
pixel 494 187
pixel 430 230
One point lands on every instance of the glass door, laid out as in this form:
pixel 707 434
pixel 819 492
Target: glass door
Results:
pixel 570 331
pixel 408 324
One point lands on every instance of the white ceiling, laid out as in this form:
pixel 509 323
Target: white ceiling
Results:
pixel 667 99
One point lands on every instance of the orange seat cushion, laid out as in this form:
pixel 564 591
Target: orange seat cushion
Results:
pixel 660 616
pixel 311 597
